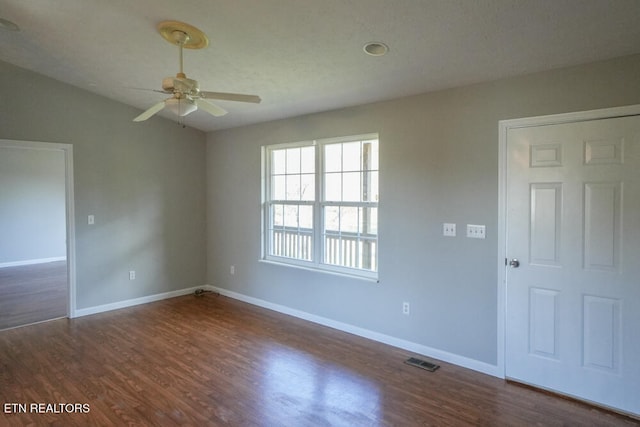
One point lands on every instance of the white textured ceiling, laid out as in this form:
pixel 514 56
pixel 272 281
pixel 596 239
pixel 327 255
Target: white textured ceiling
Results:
pixel 305 56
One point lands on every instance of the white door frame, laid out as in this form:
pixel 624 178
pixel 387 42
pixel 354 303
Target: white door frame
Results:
pixel 67 149
pixel 504 127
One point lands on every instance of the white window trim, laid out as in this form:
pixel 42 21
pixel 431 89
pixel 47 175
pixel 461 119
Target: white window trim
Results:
pixel 318 218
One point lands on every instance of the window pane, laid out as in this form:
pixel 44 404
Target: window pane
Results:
pixel 370 192
pixel 370 154
pixel 308 189
pixel 349 220
pixel 333 187
pixel 306 217
pixel 308 159
pixel 278 187
pixel 332 218
pixel 293 187
pixel 291 216
pixel 351 156
pixel 293 160
pixel 350 237
pixel 332 250
pixel 277 218
pixel 305 246
pixel 369 221
pixel 332 157
pixel 368 254
pixel 294 238
pixel 351 187
pixel 278 162
pixel 275 242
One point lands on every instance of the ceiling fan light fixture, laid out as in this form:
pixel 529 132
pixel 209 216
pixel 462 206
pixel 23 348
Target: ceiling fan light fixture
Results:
pixel 376 49
pixel 180 106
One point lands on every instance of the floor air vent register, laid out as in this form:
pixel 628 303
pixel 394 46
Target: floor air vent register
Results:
pixel 422 364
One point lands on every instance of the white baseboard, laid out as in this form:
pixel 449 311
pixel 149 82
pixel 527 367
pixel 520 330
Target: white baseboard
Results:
pixel 31 261
pixel 455 359
pixel 135 301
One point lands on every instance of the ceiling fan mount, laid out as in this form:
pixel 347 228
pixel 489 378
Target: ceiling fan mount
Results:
pixel 186 94
pixel 181 34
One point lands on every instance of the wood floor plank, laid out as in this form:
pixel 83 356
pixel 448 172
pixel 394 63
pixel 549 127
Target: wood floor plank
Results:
pixel 211 360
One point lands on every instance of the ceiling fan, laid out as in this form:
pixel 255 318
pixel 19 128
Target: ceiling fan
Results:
pixel 186 94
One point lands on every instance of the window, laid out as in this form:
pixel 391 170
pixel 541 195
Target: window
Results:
pixel 321 204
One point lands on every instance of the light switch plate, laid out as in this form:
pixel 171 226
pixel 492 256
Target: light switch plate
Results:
pixel 476 231
pixel 449 229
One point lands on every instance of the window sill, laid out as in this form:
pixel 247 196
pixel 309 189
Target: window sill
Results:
pixel 321 270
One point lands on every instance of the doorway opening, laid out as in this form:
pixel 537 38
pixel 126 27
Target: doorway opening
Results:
pixel 37 256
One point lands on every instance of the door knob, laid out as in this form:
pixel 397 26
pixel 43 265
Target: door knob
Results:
pixel 514 263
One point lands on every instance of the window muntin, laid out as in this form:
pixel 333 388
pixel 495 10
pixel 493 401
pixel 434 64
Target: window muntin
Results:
pixel 321 204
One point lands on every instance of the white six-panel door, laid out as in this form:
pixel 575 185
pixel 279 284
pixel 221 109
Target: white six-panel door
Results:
pixel 573 224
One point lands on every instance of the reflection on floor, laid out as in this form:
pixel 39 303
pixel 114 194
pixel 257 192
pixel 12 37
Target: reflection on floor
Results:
pixel 332 393
pixel 32 293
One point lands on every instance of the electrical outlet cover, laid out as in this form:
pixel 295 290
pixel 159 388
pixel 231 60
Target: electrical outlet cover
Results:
pixel 406 308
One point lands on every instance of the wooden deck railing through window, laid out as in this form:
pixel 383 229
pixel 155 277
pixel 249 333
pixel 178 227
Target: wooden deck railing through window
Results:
pixel 349 250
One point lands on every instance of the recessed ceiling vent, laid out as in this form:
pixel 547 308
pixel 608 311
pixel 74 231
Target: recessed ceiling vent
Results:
pixel 376 49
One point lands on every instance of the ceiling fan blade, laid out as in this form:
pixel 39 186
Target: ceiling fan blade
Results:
pixel 150 112
pixel 230 97
pixel 149 90
pixel 212 109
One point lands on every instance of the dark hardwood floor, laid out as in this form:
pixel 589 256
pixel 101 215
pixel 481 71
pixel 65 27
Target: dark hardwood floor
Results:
pixel 32 293
pixel 211 360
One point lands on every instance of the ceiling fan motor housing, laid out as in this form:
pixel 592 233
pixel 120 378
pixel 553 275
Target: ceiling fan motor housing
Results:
pixel 180 84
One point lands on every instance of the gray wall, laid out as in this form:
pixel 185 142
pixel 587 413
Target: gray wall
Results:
pixel 32 205
pixel 439 163
pixel 144 182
